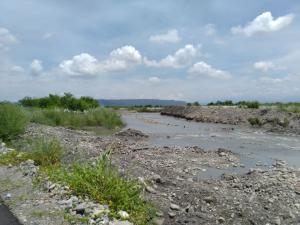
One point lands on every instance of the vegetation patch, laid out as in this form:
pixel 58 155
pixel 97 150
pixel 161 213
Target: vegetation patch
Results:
pixel 101 182
pixel 242 104
pixel 254 121
pixel 76 119
pixel 13 121
pixel 68 101
pixel 43 151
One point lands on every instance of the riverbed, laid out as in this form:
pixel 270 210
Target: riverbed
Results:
pixel 256 147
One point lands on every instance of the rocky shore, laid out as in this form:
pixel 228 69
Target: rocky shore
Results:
pixel 170 179
pixel 268 119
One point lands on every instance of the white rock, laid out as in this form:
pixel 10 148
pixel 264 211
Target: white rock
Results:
pixel 123 214
pixel 174 206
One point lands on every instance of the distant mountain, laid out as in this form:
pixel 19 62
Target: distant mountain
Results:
pixel 139 102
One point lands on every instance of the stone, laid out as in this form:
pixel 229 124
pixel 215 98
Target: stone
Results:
pixel 150 189
pixel 7 196
pixel 158 221
pixel 174 206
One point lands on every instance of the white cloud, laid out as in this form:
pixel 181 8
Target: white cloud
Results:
pixel 80 64
pixel 36 67
pixel 263 23
pixel 154 80
pixel 118 60
pixel 17 69
pixel 200 69
pixel 122 59
pixel 210 29
pixel 181 58
pixel 172 36
pixel 6 38
pixel 266 66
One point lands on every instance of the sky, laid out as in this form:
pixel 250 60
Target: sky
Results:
pixel 173 49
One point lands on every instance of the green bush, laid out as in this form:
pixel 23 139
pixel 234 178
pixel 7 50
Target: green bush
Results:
pixel 68 101
pixel 13 121
pixel 102 182
pixel 254 121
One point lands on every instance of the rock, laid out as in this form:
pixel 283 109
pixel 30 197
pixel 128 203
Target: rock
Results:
pixel 123 214
pixel 150 189
pixel 80 209
pixel 157 178
pixel 221 220
pixel 7 196
pixel 172 214
pixel 159 214
pixel 158 221
pixel 119 222
pixel 174 206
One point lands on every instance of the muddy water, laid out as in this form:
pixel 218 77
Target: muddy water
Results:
pixel 255 147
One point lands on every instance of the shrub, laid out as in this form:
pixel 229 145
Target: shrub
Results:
pixel 13 121
pixel 254 121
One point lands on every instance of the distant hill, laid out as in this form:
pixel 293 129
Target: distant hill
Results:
pixel 139 102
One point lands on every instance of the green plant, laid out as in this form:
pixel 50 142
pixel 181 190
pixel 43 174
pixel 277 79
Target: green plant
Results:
pixel 254 121
pixel 102 183
pixel 13 121
pixel 13 157
pixel 44 152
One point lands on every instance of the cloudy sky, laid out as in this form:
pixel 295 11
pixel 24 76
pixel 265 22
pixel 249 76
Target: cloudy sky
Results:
pixel 189 50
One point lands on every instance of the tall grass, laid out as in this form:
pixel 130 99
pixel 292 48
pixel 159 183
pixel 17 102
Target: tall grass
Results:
pixel 13 121
pixel 44 152
pixel 76 119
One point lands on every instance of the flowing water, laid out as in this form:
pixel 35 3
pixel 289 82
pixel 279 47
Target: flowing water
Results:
pixel 255 147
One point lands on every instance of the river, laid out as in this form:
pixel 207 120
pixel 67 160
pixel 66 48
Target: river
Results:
pixel 256 147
